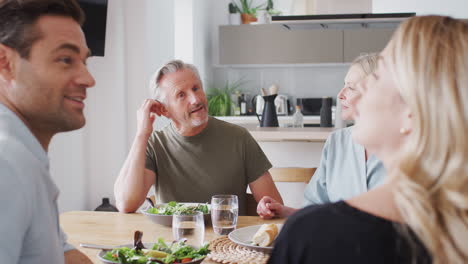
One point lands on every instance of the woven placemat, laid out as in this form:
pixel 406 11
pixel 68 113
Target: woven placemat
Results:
pixel 224 250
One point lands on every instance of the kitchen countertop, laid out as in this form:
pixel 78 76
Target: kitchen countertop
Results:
pixel 282 133
pixel 311 134
pixel 254 120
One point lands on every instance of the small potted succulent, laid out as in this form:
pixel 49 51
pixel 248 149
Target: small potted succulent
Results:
pixel 247 10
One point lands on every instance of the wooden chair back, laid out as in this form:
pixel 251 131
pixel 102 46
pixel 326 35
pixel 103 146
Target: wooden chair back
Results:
pixel 292 174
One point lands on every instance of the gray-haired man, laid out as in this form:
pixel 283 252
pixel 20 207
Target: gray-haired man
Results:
pixel 194 157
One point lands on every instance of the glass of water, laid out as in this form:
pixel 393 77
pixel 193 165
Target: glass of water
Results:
pixel 224 212
pixel 190 227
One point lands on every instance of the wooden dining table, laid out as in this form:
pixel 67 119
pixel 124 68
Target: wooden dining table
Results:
pixel 109 228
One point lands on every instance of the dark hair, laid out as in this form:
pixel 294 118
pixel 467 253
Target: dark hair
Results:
pixel 18 18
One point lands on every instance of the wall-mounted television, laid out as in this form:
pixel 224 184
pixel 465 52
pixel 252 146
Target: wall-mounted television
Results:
pixel 94 27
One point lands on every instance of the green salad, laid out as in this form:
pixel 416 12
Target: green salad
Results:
pixel 177 252
pixel 178 208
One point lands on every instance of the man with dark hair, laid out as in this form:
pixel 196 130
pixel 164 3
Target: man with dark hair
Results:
pixel 43 83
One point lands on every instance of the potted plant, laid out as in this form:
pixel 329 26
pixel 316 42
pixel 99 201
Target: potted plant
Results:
pixel 271 10
pixel 234 16
pixel 247 10
pixel 220 102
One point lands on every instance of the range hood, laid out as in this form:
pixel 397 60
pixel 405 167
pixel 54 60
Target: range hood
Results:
pixel 342 21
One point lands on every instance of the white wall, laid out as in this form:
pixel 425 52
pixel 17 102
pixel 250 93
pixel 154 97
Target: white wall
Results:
pixel 85 163
pixel 183 30
pixel 343 6
pixel 202 38
pixel 68 168
pixel 455 8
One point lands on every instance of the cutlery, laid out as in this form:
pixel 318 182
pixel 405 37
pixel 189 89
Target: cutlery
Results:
pixel 95 246
pixel 150 201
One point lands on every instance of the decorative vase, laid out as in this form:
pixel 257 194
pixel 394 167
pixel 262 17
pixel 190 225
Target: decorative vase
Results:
pixel 247 18
pixel 263 17
pixel 234 19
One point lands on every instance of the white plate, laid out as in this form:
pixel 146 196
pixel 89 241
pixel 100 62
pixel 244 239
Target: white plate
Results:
pixel 243 236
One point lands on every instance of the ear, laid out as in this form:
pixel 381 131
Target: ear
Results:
pixel 164 111
pixel 7 63
pixel 407 121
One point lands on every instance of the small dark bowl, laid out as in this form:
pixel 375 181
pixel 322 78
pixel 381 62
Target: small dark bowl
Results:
pixel 147 245
pixel 166 220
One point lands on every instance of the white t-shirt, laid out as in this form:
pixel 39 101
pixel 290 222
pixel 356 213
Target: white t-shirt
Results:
pixel 29 223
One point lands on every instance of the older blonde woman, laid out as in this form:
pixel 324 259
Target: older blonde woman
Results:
pixel 415 118
pixel 346 168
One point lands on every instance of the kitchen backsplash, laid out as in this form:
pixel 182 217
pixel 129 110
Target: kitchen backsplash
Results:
pixel 293 80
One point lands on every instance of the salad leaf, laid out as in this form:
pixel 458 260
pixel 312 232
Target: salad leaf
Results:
pixel 175 253
pixel 172 208
pixel 162 246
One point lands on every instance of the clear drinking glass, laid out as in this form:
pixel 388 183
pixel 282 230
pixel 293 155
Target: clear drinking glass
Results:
pixel 224 212
pixel 189 226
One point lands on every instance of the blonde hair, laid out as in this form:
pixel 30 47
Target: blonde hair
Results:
pixel 430 67
pixel 367 62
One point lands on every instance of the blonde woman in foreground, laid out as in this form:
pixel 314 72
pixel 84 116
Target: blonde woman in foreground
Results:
pixel 415 119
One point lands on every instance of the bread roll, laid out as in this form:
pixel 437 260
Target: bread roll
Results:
pixel 265 236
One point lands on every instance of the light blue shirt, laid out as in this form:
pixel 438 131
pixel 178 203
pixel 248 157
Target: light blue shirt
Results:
pixel 343 171
pixel 29 224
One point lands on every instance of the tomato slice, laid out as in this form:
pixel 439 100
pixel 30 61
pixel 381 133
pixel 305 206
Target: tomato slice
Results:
pixel 185 260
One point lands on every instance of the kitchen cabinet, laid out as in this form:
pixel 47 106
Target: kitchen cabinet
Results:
pixel 274 44
pixel 357 41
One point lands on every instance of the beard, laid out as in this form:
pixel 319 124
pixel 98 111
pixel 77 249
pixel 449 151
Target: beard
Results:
pixel 195 122
pixel 199 122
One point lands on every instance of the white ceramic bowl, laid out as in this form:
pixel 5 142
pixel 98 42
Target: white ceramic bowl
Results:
pixel 166 220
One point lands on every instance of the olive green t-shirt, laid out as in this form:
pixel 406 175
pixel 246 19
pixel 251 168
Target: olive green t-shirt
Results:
pixel 223 159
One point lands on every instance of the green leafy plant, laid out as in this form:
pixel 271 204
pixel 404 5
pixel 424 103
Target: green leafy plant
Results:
pixel 161 252
pixel 246 7
pixel 232 8
pixel 219 99
pixel 271 10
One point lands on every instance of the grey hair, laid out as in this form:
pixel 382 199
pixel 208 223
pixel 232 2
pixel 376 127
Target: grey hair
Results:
pixel 367 62
pixel 170 67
